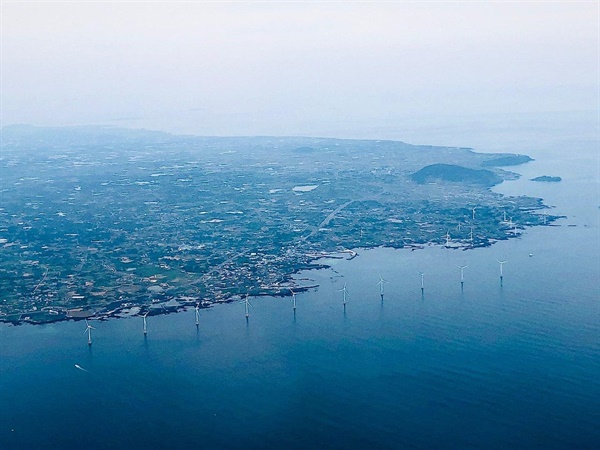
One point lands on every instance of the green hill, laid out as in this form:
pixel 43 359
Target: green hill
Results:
pixel 455 174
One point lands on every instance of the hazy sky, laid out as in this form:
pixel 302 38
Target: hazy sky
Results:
pixel 292 68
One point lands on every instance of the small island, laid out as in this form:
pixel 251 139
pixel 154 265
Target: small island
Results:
pixel 547 178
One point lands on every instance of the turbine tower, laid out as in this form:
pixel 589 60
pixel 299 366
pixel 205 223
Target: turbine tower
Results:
pixel 145 327
pixel 380 284
pixel 447 236
pixel 88 330
pixel 473 209
pixel 197 310
pixel 501 264
pixel 247 303
pixel 422 281
pixel 462 274
pixel 346 294
pixel 293 299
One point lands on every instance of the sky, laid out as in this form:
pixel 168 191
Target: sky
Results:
pixel 293 68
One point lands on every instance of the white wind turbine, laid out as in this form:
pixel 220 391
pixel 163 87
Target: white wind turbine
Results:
pixel 501 264
pixel 422 281
pixel 293 299
pixel 447 236
pixel 462 274
pixel 247 303
pixel 380 284
pixel 473 209
pixel 346 294
pixel 145 325
pixel 88 330
pixel 197 310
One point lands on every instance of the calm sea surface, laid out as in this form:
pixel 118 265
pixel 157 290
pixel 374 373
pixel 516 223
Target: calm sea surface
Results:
pixel 488 366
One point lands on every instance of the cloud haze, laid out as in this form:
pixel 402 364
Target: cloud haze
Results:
pixel 292 68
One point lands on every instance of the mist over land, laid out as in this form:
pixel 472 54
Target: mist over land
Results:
pixel 355 70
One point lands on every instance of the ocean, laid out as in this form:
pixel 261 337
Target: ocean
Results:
pixel 489 365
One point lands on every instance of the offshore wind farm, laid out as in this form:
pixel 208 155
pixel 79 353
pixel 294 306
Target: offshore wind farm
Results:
pixel 299 225
pixel 499 356
pixel 375 359
pixel 478 326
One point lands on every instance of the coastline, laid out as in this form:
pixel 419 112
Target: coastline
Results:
pixel 120 310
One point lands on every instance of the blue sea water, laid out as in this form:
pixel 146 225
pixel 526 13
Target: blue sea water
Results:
pixel 515 365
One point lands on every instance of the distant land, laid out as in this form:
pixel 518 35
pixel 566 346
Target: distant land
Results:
pixel 509 160
pixel 547 178
pixel 107 222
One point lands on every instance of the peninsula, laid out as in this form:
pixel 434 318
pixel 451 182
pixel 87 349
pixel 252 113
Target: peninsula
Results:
pixel 103 221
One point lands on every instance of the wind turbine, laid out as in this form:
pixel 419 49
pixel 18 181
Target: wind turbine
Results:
pixel 462 274
pixel 145 327
pixel 346 294
pixel 471 236
pixel 422 281
pixel 501 264
pixel 293 299
pixel 88 330
pixel 247 304
pixel 447 236
pixel 380 284
pixel 197 309
pixel 473 209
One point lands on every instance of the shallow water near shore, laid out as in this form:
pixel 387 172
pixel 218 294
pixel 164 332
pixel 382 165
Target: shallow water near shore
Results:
pixel 489 365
